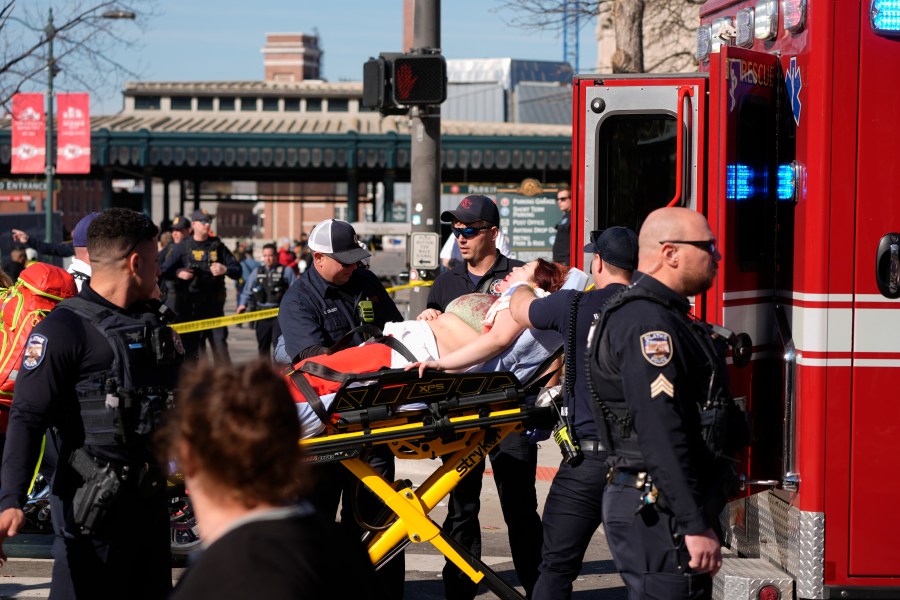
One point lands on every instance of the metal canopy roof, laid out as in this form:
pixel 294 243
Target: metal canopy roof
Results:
pixel 304 146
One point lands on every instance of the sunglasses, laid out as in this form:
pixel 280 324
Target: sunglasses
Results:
pixel 563 198
pixel 468 232
pixel 705 245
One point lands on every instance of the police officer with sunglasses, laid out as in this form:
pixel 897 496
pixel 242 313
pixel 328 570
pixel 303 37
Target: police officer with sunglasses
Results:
pixel 475 223
pixel 657 377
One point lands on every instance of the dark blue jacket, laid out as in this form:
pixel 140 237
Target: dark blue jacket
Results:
pixel 456 282
pixel 52 248
pixel 315 314
pixel 552 313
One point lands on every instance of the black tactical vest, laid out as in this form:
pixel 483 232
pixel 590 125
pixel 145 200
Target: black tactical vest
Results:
pixel 270 285
pixel 724 425
pixel 123 405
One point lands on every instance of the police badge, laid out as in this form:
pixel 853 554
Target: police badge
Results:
pixel 34 351
pixel 656 346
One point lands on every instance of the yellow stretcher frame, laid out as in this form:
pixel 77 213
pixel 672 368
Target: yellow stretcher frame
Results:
pixel 469 437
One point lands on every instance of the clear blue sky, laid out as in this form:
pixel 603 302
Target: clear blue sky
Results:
pixel 221 39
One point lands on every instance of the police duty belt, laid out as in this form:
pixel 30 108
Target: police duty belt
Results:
pixel 204 324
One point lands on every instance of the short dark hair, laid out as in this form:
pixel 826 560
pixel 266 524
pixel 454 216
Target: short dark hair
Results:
pixel 116 230
pixel 271 247
pixel 242 427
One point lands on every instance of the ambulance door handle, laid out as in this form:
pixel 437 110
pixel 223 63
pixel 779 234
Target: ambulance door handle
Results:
pixel 887 265
pixel 679 144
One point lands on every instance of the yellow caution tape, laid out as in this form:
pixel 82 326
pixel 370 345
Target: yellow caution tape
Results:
pixel 192 326
pixel 411 284
pixel 205 324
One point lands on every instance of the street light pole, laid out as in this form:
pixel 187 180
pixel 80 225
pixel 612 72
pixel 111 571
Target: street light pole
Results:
pixel 50 30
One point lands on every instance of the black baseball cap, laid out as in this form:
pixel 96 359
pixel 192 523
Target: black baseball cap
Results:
pixel 617 246
pixel 338 240
pixel 181 223
pixel 202 215
pixel 472 209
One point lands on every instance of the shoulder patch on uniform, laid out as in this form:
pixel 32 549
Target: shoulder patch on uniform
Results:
pixel 35 349
pixel 661 385
pixel 656 346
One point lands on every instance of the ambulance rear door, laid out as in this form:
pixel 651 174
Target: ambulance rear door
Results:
pixel 641 145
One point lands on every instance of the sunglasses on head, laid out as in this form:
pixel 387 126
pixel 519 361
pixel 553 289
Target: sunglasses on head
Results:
pixel 468 232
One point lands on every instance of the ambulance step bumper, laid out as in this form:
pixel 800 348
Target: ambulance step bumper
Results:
pixel 743 578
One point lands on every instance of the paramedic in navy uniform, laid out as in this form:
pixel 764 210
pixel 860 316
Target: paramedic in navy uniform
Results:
pixel 572 510
pixel 648 365
pixel 325 304
pixel 330 300
pixel 127 555
pixel 475 223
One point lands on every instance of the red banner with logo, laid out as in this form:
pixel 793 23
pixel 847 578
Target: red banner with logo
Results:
pixel 29 141
pixel 73 142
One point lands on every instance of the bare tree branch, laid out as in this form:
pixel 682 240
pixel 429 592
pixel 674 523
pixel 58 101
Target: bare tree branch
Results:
pixel 85 44
pixel 660 29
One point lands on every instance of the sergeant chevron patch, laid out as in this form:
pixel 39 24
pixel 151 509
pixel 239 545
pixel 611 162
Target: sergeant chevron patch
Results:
pixel 661 385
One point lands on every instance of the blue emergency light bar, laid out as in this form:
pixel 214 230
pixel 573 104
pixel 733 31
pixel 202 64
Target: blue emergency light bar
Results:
pixel 743 182
pixel 787 182
pixel 739 182
pixel 885 16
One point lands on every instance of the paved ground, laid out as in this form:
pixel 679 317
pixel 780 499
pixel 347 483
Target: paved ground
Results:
pixel 28 572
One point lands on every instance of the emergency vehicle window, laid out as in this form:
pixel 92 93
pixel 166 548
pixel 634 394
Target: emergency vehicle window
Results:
pixel 636 168
pixel 750 177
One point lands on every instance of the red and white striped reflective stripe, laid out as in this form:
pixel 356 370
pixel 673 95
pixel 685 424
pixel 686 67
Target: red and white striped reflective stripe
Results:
pixel 838 330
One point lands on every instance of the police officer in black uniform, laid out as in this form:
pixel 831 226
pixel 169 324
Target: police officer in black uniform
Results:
pixel 475 223
pixel 561 247
pixel 264 289
pixel 100 370
pixel 653 369
pixel 329 301
pixel 174 290
pixel 573 508
pixel 204 263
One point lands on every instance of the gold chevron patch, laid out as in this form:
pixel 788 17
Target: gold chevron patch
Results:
pixel 661 385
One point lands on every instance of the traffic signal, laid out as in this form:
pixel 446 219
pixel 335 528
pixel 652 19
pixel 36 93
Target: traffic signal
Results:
pixel 375 82
pixel 419 79
pixel 393 80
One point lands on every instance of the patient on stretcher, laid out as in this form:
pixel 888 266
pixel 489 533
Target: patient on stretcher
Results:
pixel 476 333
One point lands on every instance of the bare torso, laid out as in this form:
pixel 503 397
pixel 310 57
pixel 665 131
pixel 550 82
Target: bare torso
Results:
pixel 451 333
pixel 461 324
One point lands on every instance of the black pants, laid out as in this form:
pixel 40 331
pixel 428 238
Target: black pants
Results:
pixel 332 481
pixel 217 338
pixel 650 558
pixel 514 463
pixel 267 333
pixel 129 558
pixel 573 511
